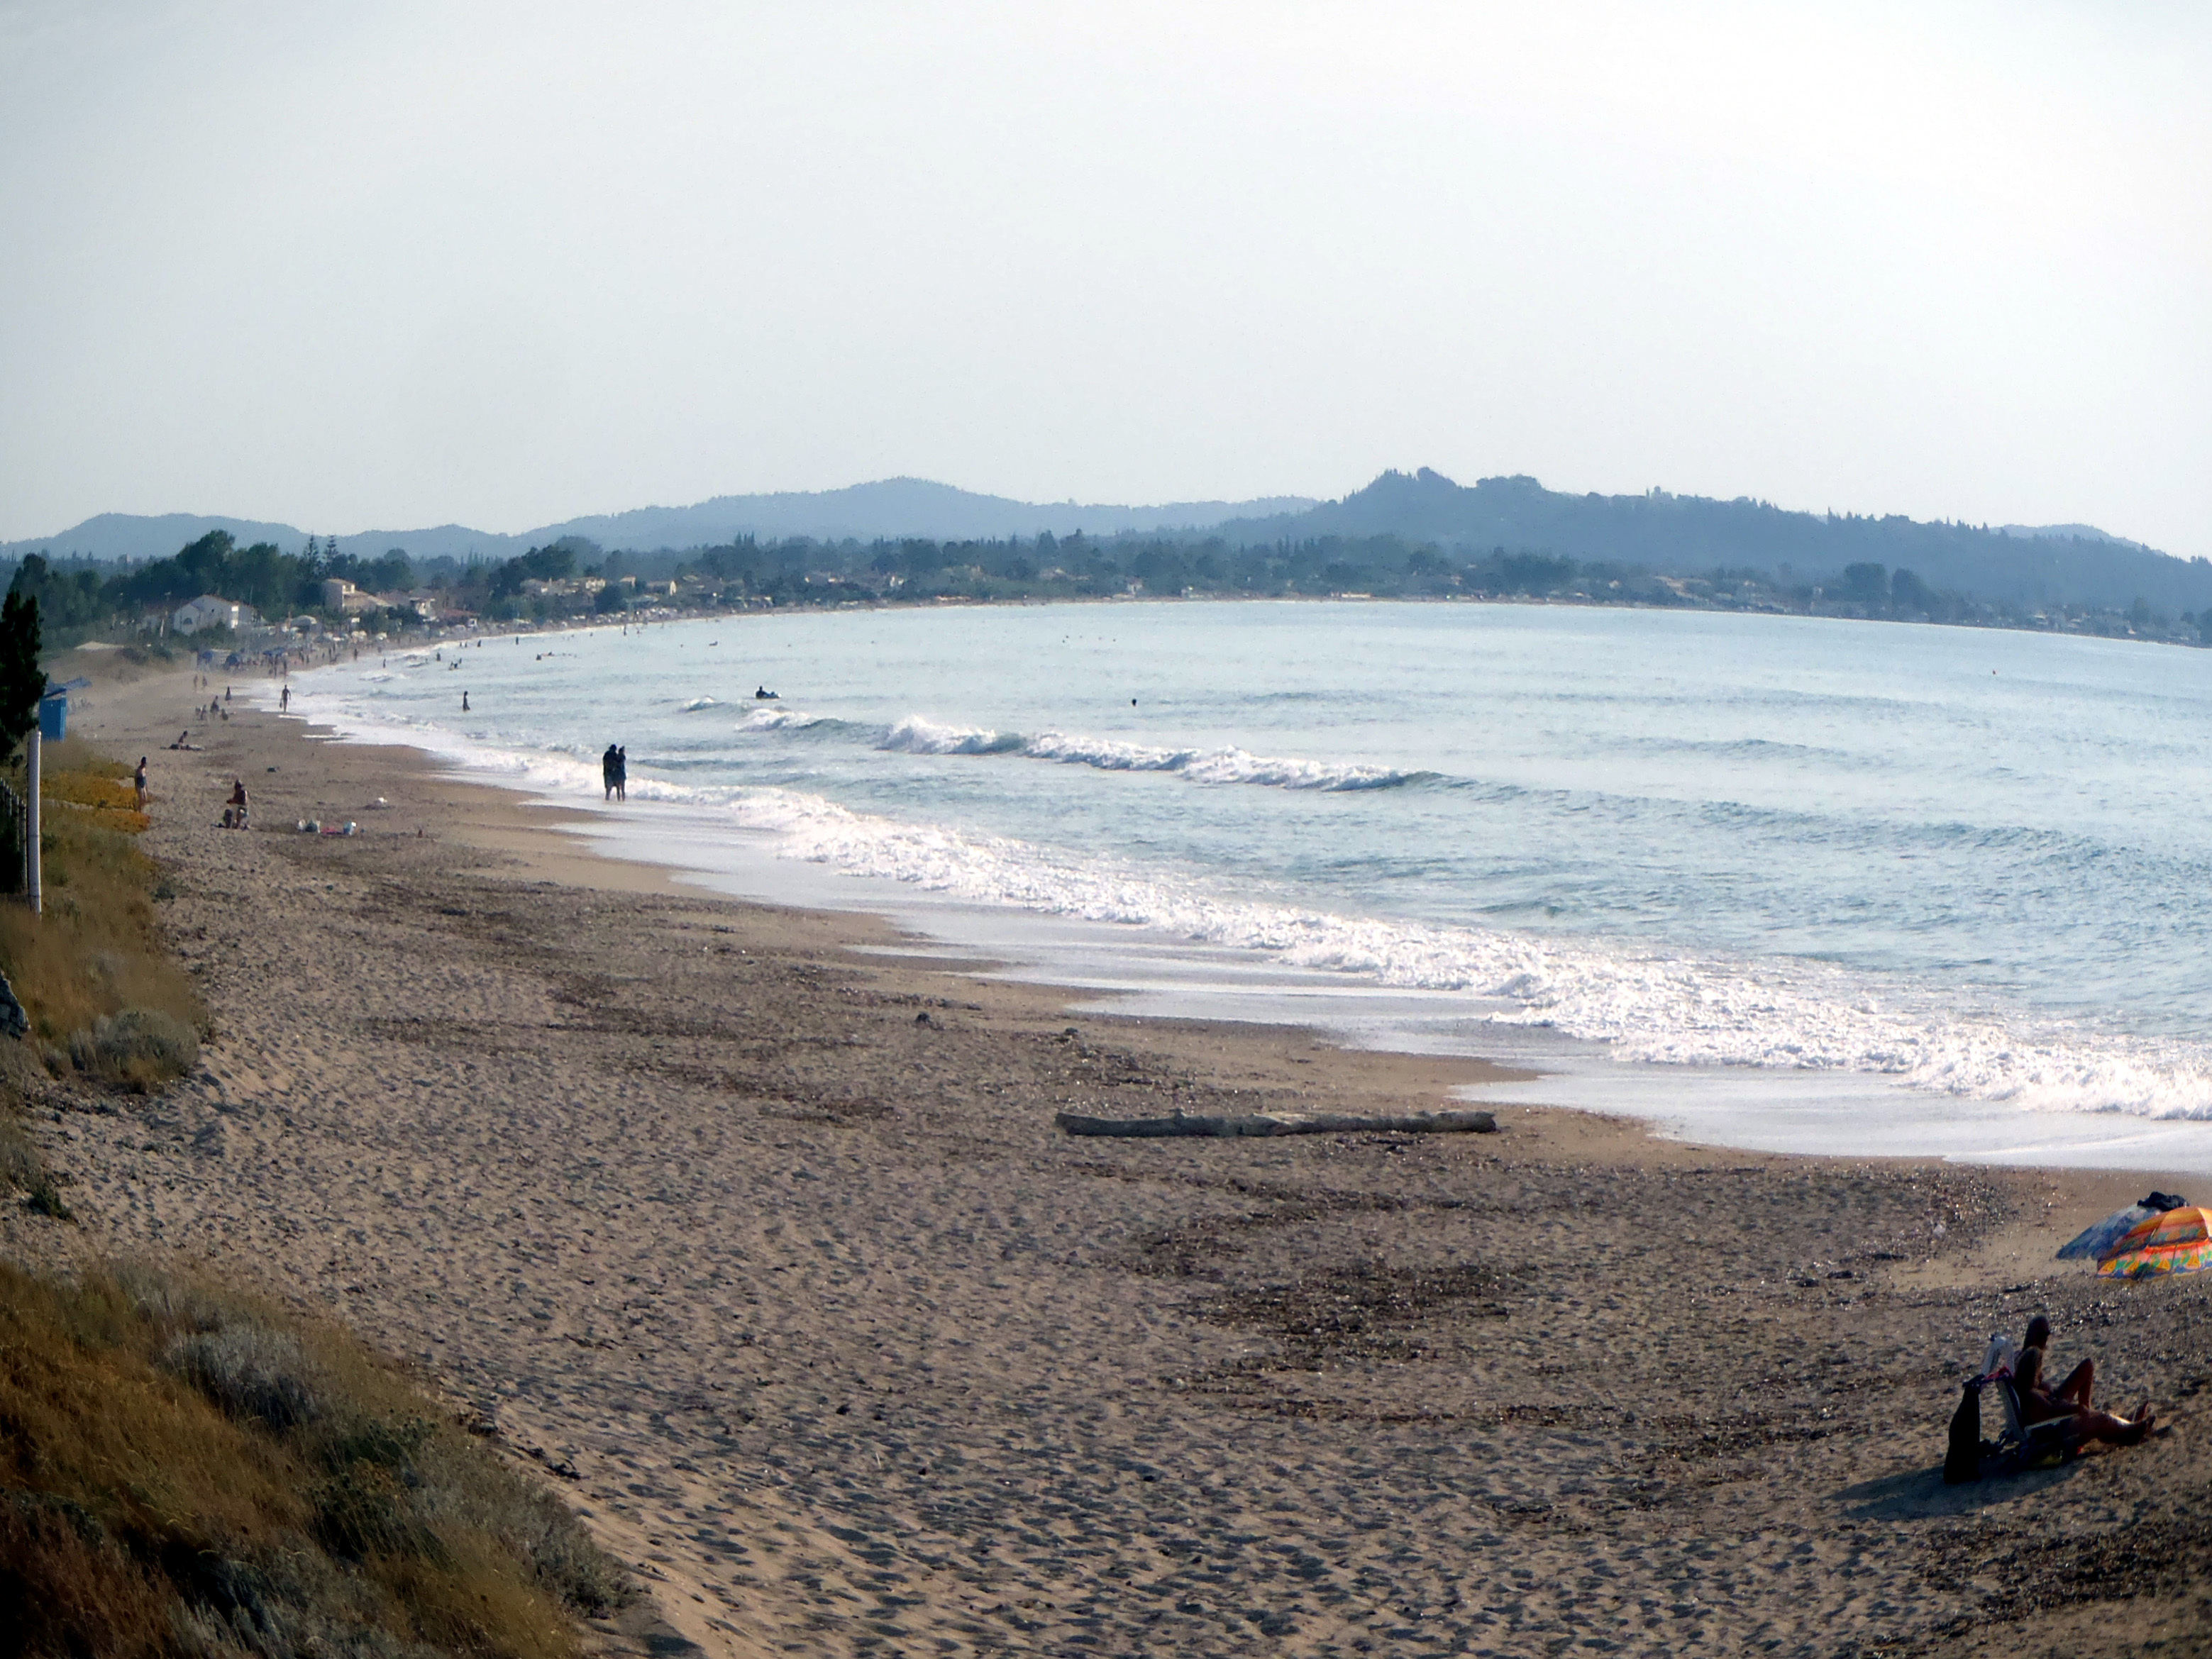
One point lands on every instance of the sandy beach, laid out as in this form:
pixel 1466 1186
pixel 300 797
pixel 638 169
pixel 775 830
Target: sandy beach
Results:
pixel 767 1252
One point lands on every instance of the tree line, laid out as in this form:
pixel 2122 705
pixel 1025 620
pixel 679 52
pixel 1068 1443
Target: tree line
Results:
pixel 77 599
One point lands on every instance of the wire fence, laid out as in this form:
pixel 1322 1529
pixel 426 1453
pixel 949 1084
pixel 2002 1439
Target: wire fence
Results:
pixel 14 839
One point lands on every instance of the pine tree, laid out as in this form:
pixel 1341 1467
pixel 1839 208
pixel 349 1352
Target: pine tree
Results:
pixel 22 681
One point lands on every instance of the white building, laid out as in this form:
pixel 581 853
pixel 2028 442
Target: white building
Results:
pixel 210 611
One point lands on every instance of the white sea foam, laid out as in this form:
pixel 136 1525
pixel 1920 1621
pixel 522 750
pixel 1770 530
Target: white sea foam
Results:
pixel 1649 1006
pixel 1107 754
pixel 1235 766
pixel 915 735
pixel 697 703
pixel 779 719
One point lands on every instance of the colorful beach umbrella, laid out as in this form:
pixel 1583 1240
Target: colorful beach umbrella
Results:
pixel 2178 1242
pixel 2099 1239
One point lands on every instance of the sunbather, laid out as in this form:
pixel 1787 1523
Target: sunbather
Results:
pixel 2080 1382
pixel 2039 1403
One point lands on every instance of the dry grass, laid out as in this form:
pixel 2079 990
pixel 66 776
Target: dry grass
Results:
pixel 98 952
pixel 110 801
pixel 188 1472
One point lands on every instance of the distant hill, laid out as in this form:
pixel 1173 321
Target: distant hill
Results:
pixel 2087 532
pixel 1693 533
pixel 890 508
pixel 113 536
pixel 894 508
pixel 2019 565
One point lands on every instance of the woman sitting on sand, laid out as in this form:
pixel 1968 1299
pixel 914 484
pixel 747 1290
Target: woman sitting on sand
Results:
pixel 2039 1403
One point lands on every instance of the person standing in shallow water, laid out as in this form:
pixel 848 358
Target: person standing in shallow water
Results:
pixel 621 774
pixel 609 763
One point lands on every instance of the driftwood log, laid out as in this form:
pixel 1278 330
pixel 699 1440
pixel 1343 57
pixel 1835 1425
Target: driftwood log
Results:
pixel 1280 1123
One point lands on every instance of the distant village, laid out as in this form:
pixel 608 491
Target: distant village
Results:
pixel 214 588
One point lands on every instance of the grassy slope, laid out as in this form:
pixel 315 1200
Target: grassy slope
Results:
pixel 186 1471
pixel 98 948
pixel 183 1470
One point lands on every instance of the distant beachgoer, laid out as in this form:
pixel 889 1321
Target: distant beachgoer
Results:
pixel 138 783
pixel 621 774
pixel 465 702
pixel 284 700
pixel 607 763
pixel 233 817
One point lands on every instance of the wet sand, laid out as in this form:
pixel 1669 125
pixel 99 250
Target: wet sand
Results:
pixel 769 1254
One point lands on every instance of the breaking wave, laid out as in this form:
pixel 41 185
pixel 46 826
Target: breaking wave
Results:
pixel 1647 1003
pixel 915 735
pixel 783 719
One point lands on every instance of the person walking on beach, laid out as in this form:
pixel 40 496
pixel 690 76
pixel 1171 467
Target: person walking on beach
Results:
pixel 138 783
pixel 284 700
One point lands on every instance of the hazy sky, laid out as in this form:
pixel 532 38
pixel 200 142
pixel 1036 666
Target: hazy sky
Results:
pixel 363 265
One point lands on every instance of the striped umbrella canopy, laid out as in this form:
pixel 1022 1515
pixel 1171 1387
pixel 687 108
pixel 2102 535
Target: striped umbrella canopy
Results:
pixel 2178 1242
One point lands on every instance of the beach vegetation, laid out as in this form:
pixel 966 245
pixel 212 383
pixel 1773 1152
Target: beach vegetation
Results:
pixel 189 1471
pixel 23 676
pixel 138 1047
pixel 94 971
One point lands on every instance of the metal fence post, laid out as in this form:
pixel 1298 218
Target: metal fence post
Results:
pixel 32 884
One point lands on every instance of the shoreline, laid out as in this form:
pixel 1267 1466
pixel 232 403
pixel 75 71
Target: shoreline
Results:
pixel 1719 1099
pixel 846 1347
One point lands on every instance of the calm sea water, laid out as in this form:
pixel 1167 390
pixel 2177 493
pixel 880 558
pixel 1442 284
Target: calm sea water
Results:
pixel 1977 866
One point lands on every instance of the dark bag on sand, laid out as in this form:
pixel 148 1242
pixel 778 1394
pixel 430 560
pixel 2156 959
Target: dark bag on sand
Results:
pixel 1963 1460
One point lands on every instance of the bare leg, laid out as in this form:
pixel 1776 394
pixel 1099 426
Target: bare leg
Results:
pixel 2080 1382
pixel 2103 1426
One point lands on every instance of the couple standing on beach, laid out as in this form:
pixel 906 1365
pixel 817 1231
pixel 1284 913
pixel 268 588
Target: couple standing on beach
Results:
pixel 614 772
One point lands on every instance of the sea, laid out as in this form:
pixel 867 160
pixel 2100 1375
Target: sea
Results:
pixel 1778 883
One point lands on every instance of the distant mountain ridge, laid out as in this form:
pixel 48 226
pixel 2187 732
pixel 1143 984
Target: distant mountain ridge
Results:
pixel 2024 565
pixel 1682 534
pixel 890 507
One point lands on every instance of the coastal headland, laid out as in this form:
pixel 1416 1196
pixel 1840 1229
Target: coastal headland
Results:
pixel 752 1229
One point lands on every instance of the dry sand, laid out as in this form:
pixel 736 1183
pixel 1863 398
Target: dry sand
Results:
pixel 803 1300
